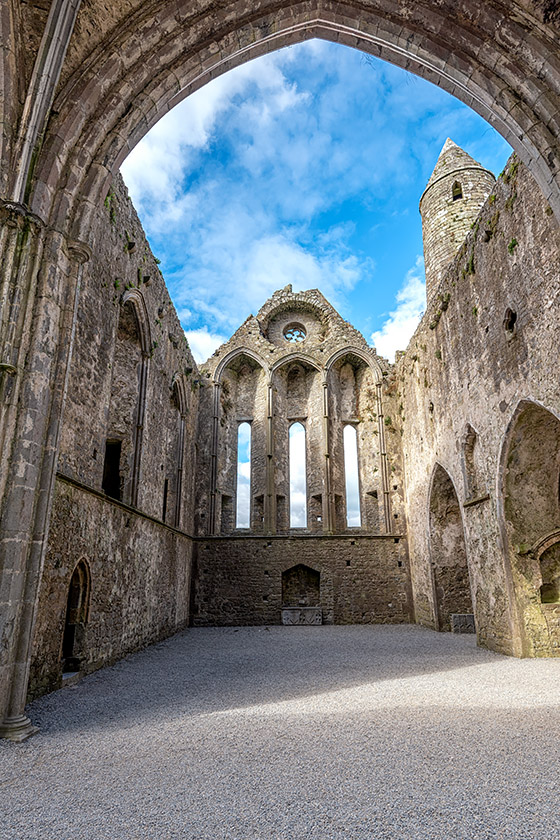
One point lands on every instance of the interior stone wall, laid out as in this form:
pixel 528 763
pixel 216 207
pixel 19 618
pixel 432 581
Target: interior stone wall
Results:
pixel 363 580
pixel 487 341
pixel 140 569
pixel 140 582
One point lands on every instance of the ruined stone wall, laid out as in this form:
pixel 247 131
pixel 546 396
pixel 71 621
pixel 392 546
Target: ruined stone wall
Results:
pixel 127 329
pixel 122 264
pixel 140 582
pixel 238 581
pixel 488 340
pixel 326 379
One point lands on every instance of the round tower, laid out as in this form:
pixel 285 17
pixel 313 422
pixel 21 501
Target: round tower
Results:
pixel 456 191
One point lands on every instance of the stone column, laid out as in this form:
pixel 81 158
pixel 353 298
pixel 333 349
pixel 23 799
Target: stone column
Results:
pixel 42 345
pixel 214 457
pixel 139 428
pixel 270 495
pixel 328 502
pixel 384 463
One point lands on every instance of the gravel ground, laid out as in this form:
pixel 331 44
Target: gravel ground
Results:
pixel 294 732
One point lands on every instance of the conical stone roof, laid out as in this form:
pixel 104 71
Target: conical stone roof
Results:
pixel 452 159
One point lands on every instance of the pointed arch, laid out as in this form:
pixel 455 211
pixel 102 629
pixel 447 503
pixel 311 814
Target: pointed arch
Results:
pixel 448 552
pixel 118 108
pixel 135 299
pixel 351 350
pixel 529 515
pixel 233 355
pixel 291 358
pixel 76 617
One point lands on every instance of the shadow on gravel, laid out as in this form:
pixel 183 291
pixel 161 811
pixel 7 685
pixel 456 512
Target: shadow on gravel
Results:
pixel 201 671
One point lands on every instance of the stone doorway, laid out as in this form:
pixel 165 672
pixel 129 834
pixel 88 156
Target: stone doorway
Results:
pixel 449 557
pixel 73 640
pixel 301 592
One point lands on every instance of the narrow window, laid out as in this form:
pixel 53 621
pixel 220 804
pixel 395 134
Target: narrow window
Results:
pixel 457 191
pixel 298 479
pixel 243 507
pixel 165 493
pixel 353 515
pixel 111 484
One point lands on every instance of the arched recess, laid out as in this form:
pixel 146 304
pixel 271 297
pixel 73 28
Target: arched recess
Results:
pixel 127 409
pixel 529 505
pixel 298 401
pixel 448 554
pixel 353 384
pixel 301 587
pixel 470 466
pixel 76 617
pixel 180 402
pixel 242 394
pixel 491 59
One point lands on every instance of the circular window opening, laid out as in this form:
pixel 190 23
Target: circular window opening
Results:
pixel 294 333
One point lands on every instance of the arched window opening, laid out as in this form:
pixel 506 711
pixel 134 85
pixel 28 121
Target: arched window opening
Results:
pixel 457 191
pixel 352 478
pixel 125 420
pixel 298 477
pixel 76 618
pixel 243 506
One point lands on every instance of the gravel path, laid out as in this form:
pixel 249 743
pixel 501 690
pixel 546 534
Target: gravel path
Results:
pixel 296 732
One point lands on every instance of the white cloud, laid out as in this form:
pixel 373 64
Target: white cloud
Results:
pixel 399 327
pixel 203 343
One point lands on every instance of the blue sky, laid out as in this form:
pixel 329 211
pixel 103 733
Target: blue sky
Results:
pixel 304 166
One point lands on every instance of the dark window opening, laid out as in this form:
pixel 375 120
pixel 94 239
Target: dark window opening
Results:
pixel 457 191
pixel 111 469
pixel 76 616
pixel 165 492
pixel 510 319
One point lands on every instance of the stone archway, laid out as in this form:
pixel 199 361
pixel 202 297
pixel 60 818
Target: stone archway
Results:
pixel 301 595
pixel 530 499
pixel 77 607
pixel 448 553
pixel 93 80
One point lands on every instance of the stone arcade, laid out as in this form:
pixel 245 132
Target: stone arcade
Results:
pixel 118 523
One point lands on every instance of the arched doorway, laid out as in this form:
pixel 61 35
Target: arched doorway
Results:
pixel 301 595
pixel 530 499
pixel 452 590
pixel 77 607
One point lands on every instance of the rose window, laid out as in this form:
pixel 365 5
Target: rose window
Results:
pixel 294 333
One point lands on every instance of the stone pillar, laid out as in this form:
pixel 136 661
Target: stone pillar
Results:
pixel 139 429
pixel 270 495
pixel 384 463
pixel 41 346
pixel 214 457
pixel 328 502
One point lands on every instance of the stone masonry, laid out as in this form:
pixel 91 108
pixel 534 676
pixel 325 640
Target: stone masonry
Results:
pixel 112 478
